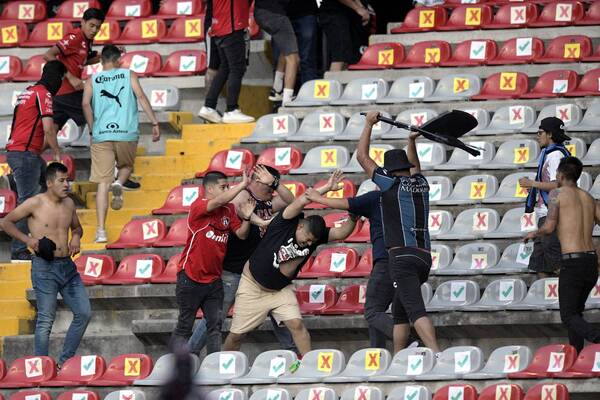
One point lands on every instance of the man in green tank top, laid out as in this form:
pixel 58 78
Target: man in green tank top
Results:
pixel 110 108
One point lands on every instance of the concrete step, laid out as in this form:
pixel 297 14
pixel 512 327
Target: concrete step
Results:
pixel 153 164
pixel 16 308
pixel 16 326
pixel 213 131
pixel 14 289
pixel 161 181
pixel 178 147
pixel 89 234
pixel 122 216
pixel 139 199
pixel 15 272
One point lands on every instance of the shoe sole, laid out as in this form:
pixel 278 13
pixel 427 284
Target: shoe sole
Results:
pixel 100 241
pixel 275 99
pixel 210 119
pixel 238 122
pixel 117 200
pixel 19 261
pixel 126 189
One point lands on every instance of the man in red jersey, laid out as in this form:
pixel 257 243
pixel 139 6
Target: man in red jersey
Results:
pixel 31 126
pixel 199 284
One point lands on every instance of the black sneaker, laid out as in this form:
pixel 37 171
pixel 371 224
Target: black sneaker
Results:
pixel 21 257
pixel 275 96
pixel 131 185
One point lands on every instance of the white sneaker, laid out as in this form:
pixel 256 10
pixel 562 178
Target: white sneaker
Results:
pixel 117 196
pixel 210 114
pixel 101 236
pixel 236 117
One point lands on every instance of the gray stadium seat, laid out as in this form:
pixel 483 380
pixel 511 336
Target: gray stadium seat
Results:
pixel 514 260
pixel 221 367
pixel 585 181
pixel 502 361
pixel 267 367
pixel 7 103
pixel 126 393
pixel 415 117
pixel 318 126
pixel 163 370
pixel 225 394
pixel 439 223
pixel 272 128
pixel 498 294
pixel 323 159
pixel 472 224
pixel 542 295
pixel 430 154
pixel 316 365
pixel 455 363
pixel 316 393
pixel 317 92
pixel 69 133
pixel 426 292
pixel 569 113
pixel 461 160
pixel 472 259
pixel 510 191
pixel 440 188
pixel 509 119
pixel 162 97
pixel 593 300
pixel 455 87
pixel 5 126
pixel 590 119
pixel 441 257
pixel 85 139
pixel 576 147
pixel 409 89
pixel 366 187
pixel 355 126
pixel 272 393
pixel 472 189
pixel 413 392
pixel 362 91
pixel 407 364
pixel 515 224
pixel 514 154
pixel 454 294
pixel 376 151
pixel 596 231
pixel 363 364
pixel 363 393
pixel 482 116
pixel 595 190
pixel 592 156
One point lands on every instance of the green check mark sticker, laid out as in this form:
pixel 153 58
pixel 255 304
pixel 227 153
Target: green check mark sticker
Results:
pixel 524 46
pixel 457 396
pixel 283 155
pixel 411 393
pixel 424 151
pixel 416 92
pixel 226 395
pixel 338 263
pixel 416 365
pixel 463 361
pixel 411 396
pixel 228 363
pixel 3 64
pixel 88 365
pixel 369 94
pixel 477 51
pixel 275 397
pixel 234 159
pixel 315 295
pixel 458 291
pixel 184 10
pixel 190 197
pixel 434 194
pixel 560 88
pixel 506 292
pixel 188 65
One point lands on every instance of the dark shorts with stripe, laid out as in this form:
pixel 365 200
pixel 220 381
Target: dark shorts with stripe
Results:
pixel 409 268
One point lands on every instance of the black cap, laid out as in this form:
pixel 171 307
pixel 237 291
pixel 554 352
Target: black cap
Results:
pixel 555 127
pixel 395 160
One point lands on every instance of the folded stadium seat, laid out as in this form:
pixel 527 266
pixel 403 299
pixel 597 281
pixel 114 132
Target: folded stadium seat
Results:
pixel 593 154
pixel 124 369
pixel 162 97
pixel 440 188
pixel 569 113
pixel 176 236
pixel 422 19
pixel 109 31
pixel 472 53
pixel 266 368
pixel 510 119
pixel 380 56
pixel 548 360
pixel 225 393
pixel 126 394
pixel 297 188
pixel 29 11
pixel 347 190
pixel 68 134
pixel 180 199
pixel 440 222
pixel 506 391
pixel 32 71
pixel 362 91
pixel 163 370
pixel 461 160
pixel 72 10
pixel 427 54
pixel 317 92
pixel 314 393
pixel 332 262
pixel 139 233
pixel 143 63
pixel 588 86
pixel 283 159
pixel 471 189
pixel 502 361
pixel 13 33
pixel 559 13
pixel 406 365
pixel 323 159
pixel 456 391
pixel 550 390
pixel 65 159
pixel 415 117
pixel 585 366
pixel 592 58
pixel 8 201
pixel 319 126
pixel 472 259
pixel 363 392
pixel 129 9
pixel 455 87
pixel 452 295
pixel 409 89
pixel 47 33
pixel 510 16
pixel 30 395
pixel 314 299
pixel 366 187
pixel 595 190
pixel 503 85
pixel 441 258
pixel 316 365
pixel 553 84
pixel 592 16
pixel 231 162
pixel 585 181
pixel 481 115
pixel 271 393
pixel 363 268
pixel 78 394
pixel 515 224
pixel 513 154
pixel 351 301
pixel 184 63
pixel 142 31
pixel 136 269
pixel 412 391
pixel 361 234
pixel 78 371
pixel 467 17
pixel 169 274
pixel 178 8
pixel 94 268
pixel 184 30
pixel 455 363
pixel 497 295
pixel 272 128
pixel 510 191
pixel 568 48
pixel 355 125
pixel 363 364
pixel 542 295
pixel 522 50
pixel 376 151
pixel 472 224
pixel 28 372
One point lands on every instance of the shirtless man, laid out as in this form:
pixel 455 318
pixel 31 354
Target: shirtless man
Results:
pixel 572 212
pixel 50 216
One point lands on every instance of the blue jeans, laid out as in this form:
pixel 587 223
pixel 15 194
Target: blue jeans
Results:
pixel 305 29
pixel 49 279
pixel 231 282
pixel 28 169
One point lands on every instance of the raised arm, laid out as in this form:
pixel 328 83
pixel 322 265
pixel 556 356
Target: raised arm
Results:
pixel 141 96
pixel 551 219
pixel 333 183
pixel 364 159
pixel 316 197
pixel 22 211
pixel 345 230
pixel 411 153
pixel 245 211
pixel 294 209
pixel 228 195
pixel 285 196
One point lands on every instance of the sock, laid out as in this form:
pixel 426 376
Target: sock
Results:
pixel 287 95
pixel 278 81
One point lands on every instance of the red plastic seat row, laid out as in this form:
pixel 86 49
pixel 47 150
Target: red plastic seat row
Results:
pixel 66 159
pixel 503 391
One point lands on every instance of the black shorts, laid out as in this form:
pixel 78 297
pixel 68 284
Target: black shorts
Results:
pixel 68 106
pixel 280 28
pixel 409 269
pixel 546 256
pixel 345 35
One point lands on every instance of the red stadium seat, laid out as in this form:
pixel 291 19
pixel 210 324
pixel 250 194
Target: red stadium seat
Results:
pixel 109 32
pixel 142 31
pixel 335 220
pixel 422 19
pixel 519 51
pixel 144 63
pixel 136 269
pixel 505 391
pixel 184 63
pixel 139 233
pixel 351 301
pixel 306 268
pixel 427 54
pixel 230 162
pixel 78 394
pixel 94 268
pixel 47 33
pixel 8 202
pixel 176 9
pixel 12 33
pixel 124 369
pixel 24 10
pixel 361 233
pixel 10 66
pixel 472 52
pixel 543 391
pixel 559 13
pixel 363 268
pixel 588 86
pixel 314 299
pixel 455 3
pixel 30 394
pixel 72 10
pixel 78 371
pixel 553 84
pixel 180 199
pixel 585 365
pixel 468 16
pixel 347 190
pixel 183 30
pixel 129 9
pixel 547 361
pixel 503 85
pixel 569 48
pixel 65 159
pixel 513 16
pixel 283 159
pixel 593 57
pixel 32 71
pixel 449 392
pixel 2 369
pixel 592 16
pixel 380 56
pixel 29 372
pixel 169 274
pixel 297 188
pixel 332 261
pixel 176 236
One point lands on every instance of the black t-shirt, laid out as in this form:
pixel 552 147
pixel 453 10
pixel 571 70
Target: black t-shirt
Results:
pixel 301 8
pixel 335 6
pixel 275 6
pixel 277 246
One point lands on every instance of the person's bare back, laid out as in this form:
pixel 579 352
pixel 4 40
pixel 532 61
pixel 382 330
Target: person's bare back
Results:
pixel 576 210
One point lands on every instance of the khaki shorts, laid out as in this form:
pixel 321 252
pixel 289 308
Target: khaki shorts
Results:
pixel 253 304
pixel 106 154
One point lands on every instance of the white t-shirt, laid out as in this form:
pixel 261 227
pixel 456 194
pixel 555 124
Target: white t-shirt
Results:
pixel 548 175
